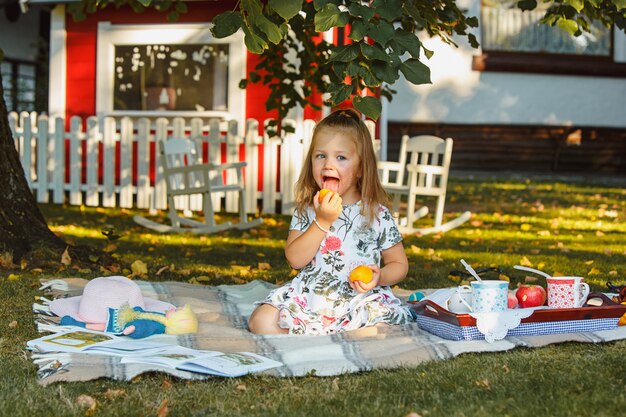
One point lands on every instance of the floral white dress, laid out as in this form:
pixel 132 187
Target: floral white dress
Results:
pixel 319 299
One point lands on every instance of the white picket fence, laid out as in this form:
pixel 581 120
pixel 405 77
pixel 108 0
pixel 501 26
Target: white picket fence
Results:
pixel 110 160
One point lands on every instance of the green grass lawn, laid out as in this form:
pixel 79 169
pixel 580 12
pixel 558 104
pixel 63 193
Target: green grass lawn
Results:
pixel 559 226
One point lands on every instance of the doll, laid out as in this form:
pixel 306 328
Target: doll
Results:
pixel 138 323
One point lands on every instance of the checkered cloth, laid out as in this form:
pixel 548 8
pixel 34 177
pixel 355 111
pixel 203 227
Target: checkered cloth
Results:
pixel 223 312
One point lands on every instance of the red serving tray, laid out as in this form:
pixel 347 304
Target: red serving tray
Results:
pixel 608 309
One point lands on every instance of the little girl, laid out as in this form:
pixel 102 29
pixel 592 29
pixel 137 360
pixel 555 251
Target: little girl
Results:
pixel 330 236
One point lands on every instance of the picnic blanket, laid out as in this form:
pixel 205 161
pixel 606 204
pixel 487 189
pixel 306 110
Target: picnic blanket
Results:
pixel 222 313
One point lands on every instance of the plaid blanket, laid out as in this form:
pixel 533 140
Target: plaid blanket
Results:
pixel 223 312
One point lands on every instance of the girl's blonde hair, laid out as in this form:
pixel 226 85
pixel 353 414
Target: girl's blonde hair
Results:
pixel 348 122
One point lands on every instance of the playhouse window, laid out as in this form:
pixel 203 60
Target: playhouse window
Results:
pixel 169 70
pixel 516 41
pixel 192 77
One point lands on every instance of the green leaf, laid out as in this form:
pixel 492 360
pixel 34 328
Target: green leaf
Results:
pixel 619 4
pixel 576 4
pixel 358 30
pixel 471 39
pixel 408 41
pixel 225 24
pixel 387 9
pixel 145 3
pixel 527 4
pixel 286 8
pixel 415 71
pixel 358 10
pixel 570 26
pixel 382 32
pixel 330 17
pixel 374 52
pixel 385 71
pixel 368 77
pixel 257 19
pixel 345 53
pixel 254 43
pixel 369 106
pixel 353 68
pixel 341 94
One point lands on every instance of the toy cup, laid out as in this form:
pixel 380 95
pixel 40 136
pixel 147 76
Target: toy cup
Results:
pixel 567 292
pixel 461 300
pixel 489 296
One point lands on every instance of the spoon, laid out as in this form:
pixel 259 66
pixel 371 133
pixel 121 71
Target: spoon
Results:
pixel 536 271
pixel 470 270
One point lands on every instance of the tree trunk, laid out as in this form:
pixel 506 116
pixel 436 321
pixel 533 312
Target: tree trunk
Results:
pixel 23 229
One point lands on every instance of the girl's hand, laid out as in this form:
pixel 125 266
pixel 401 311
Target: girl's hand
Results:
pixel 328 210
pixel 361 287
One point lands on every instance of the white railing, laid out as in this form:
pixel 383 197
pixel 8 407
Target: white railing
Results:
pixel 112 162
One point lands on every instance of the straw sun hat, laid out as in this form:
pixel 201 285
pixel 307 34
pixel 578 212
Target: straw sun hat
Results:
pixel 103 293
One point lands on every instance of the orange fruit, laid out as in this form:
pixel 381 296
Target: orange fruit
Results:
pixel 323 192
pixel 362 273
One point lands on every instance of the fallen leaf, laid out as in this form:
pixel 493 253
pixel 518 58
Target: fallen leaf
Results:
pixel 13 277
pixel 110 247
pixel 166 384
pixel 6 260
pixel 588 262
pixel 241 387
pixel 483 383
pixel 264 266
pixel 139 268
pixel 65 258
pixel 525 227
pixel 594 271
pixel 23 264
pixel 612 273
pixel 13 324
pixel 112 394
pixel 87 402
pixel 36 270
pixel 162 410
pixel 525 262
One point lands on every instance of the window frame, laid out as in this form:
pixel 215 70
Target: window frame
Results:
pixel 110 35
pixel 548 63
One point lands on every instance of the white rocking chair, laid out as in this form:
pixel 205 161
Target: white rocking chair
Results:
pixel 185 175
pixel 426 160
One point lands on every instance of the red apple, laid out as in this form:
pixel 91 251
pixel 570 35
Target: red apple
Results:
pixel 530 296
pixel 512 300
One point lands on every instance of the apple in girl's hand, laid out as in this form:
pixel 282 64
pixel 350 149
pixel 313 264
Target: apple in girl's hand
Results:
pixel 530 296
pixel 512 300
pixel 323 193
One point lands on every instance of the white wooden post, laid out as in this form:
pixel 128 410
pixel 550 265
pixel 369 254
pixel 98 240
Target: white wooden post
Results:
pixel 126 164
pixel 232 155
pixel 270 174
pixel 42 160
pixel 215 157
pixel 58 165
pixel 252 141
pixel 108 161
pixel 160 196
pixel 289 159
pixel 76 165
pixel 92 141
pixel 143 163
pixel 26 147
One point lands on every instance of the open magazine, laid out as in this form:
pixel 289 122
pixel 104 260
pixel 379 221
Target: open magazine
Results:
pixel 77 339
pixel 207 362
